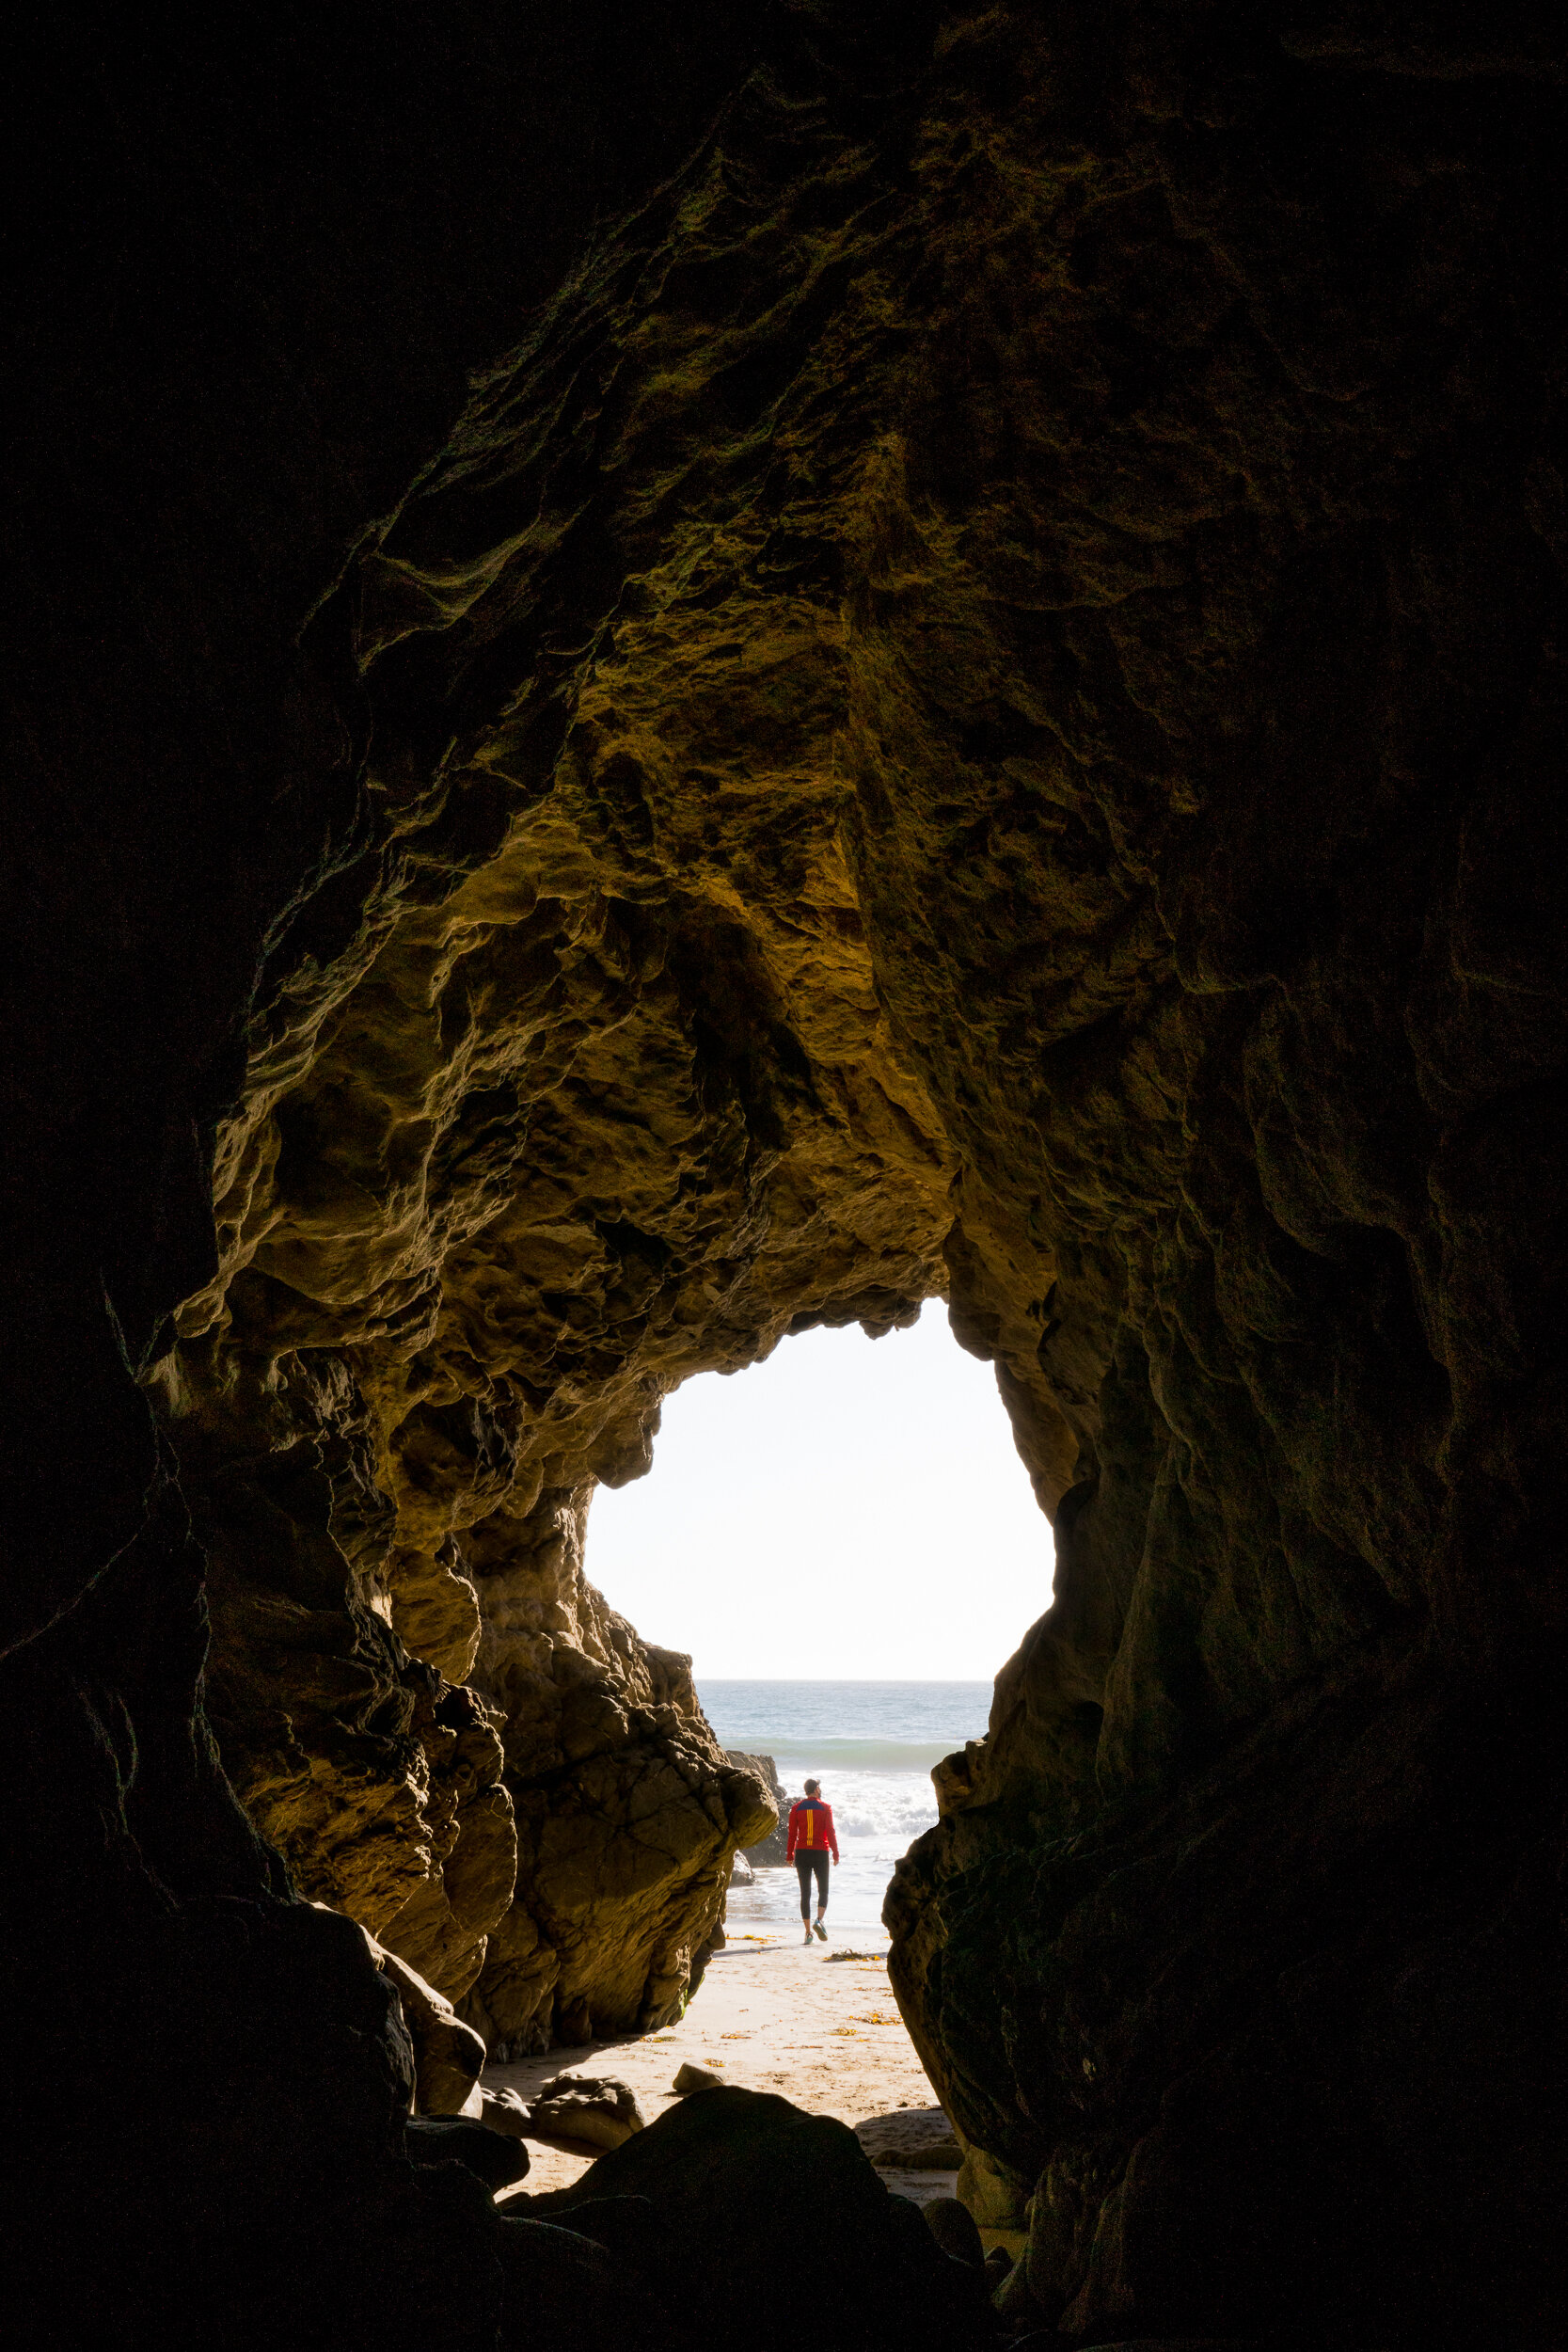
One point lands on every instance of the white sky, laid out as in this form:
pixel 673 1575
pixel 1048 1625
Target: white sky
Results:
pixel 850 1508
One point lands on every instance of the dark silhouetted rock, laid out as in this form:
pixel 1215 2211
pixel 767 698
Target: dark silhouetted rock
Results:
pixel 566 2291
pixel 997 2265
pixel 1012 2300
pixel 954 2228
pixel 504 2111
pixel 712 2165
pixel 496 2160
pixel 628 2229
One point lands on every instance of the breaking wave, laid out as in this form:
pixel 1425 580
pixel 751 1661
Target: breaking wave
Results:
pixel 827 1755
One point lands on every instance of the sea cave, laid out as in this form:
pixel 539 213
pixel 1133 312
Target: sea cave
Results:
pixel 686 674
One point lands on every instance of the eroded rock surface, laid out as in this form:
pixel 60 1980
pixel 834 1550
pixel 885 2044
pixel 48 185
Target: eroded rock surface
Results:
pixel 448 2054
pixel 969 708
pixel 932 730
pixel 628 1811
pixel 771 1850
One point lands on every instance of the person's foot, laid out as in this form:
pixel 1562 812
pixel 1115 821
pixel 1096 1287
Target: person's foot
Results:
pixel 821 1931
pixel 807 1936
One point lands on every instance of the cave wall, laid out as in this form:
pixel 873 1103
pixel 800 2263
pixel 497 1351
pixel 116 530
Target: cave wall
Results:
pixel 559 1113
pixel 251 265
pixel 967 708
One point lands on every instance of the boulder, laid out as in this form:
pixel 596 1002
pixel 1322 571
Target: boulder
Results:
pixel 954 2229
pixel 448 2054
pixel 768 1852
pixel 996 2195
pixel 503 2111
pixel 689 2078
pixel 457 2139
pixel 727 2163
pixel 742 1873
pixel 596 2109
pixel 627 1813
pixel 628 2229
pixel 564 2290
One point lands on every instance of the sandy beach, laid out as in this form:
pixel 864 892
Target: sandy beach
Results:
pixel 770 2015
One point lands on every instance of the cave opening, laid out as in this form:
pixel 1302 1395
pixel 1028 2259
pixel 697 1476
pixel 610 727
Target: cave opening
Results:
pixel 846 1541
pixel 853 1509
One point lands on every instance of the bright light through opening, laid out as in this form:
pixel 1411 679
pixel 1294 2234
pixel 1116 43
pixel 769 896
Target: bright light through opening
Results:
pixel 849 1509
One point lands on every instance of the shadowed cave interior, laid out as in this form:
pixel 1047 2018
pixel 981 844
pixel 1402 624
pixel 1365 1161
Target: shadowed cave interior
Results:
pixel 681 677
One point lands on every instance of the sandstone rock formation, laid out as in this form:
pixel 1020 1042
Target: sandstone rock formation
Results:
pixel 627 1814
pixel 448 2054
pixel 629 738
pixel 400 1798
pixel 773 1849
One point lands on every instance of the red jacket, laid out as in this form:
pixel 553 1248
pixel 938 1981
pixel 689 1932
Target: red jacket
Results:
pixel 811 1827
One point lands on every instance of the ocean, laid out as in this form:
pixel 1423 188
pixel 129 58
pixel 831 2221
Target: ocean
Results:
pixel 872 1747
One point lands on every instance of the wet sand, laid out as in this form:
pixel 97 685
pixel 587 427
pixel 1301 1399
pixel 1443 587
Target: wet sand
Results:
pixel 769 2015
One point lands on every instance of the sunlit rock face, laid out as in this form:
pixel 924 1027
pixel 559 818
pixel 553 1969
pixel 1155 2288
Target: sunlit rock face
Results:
pixel 628 1811
pixel 577 1109
pixel 967 709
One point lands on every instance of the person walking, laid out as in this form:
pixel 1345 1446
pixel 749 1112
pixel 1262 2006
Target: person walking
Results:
pixel 811 1842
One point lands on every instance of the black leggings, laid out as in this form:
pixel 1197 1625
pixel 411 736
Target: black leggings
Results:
pixel 807 1862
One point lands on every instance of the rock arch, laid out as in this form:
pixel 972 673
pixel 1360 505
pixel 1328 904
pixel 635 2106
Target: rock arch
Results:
pixel 966 710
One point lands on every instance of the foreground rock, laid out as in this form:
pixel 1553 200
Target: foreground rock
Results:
pixel 448 2054
pixel 497 2160
pixel 504 2112
pixel 566 2292
pixel 954 2228
pixel 713 2167
pixel 598 2111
